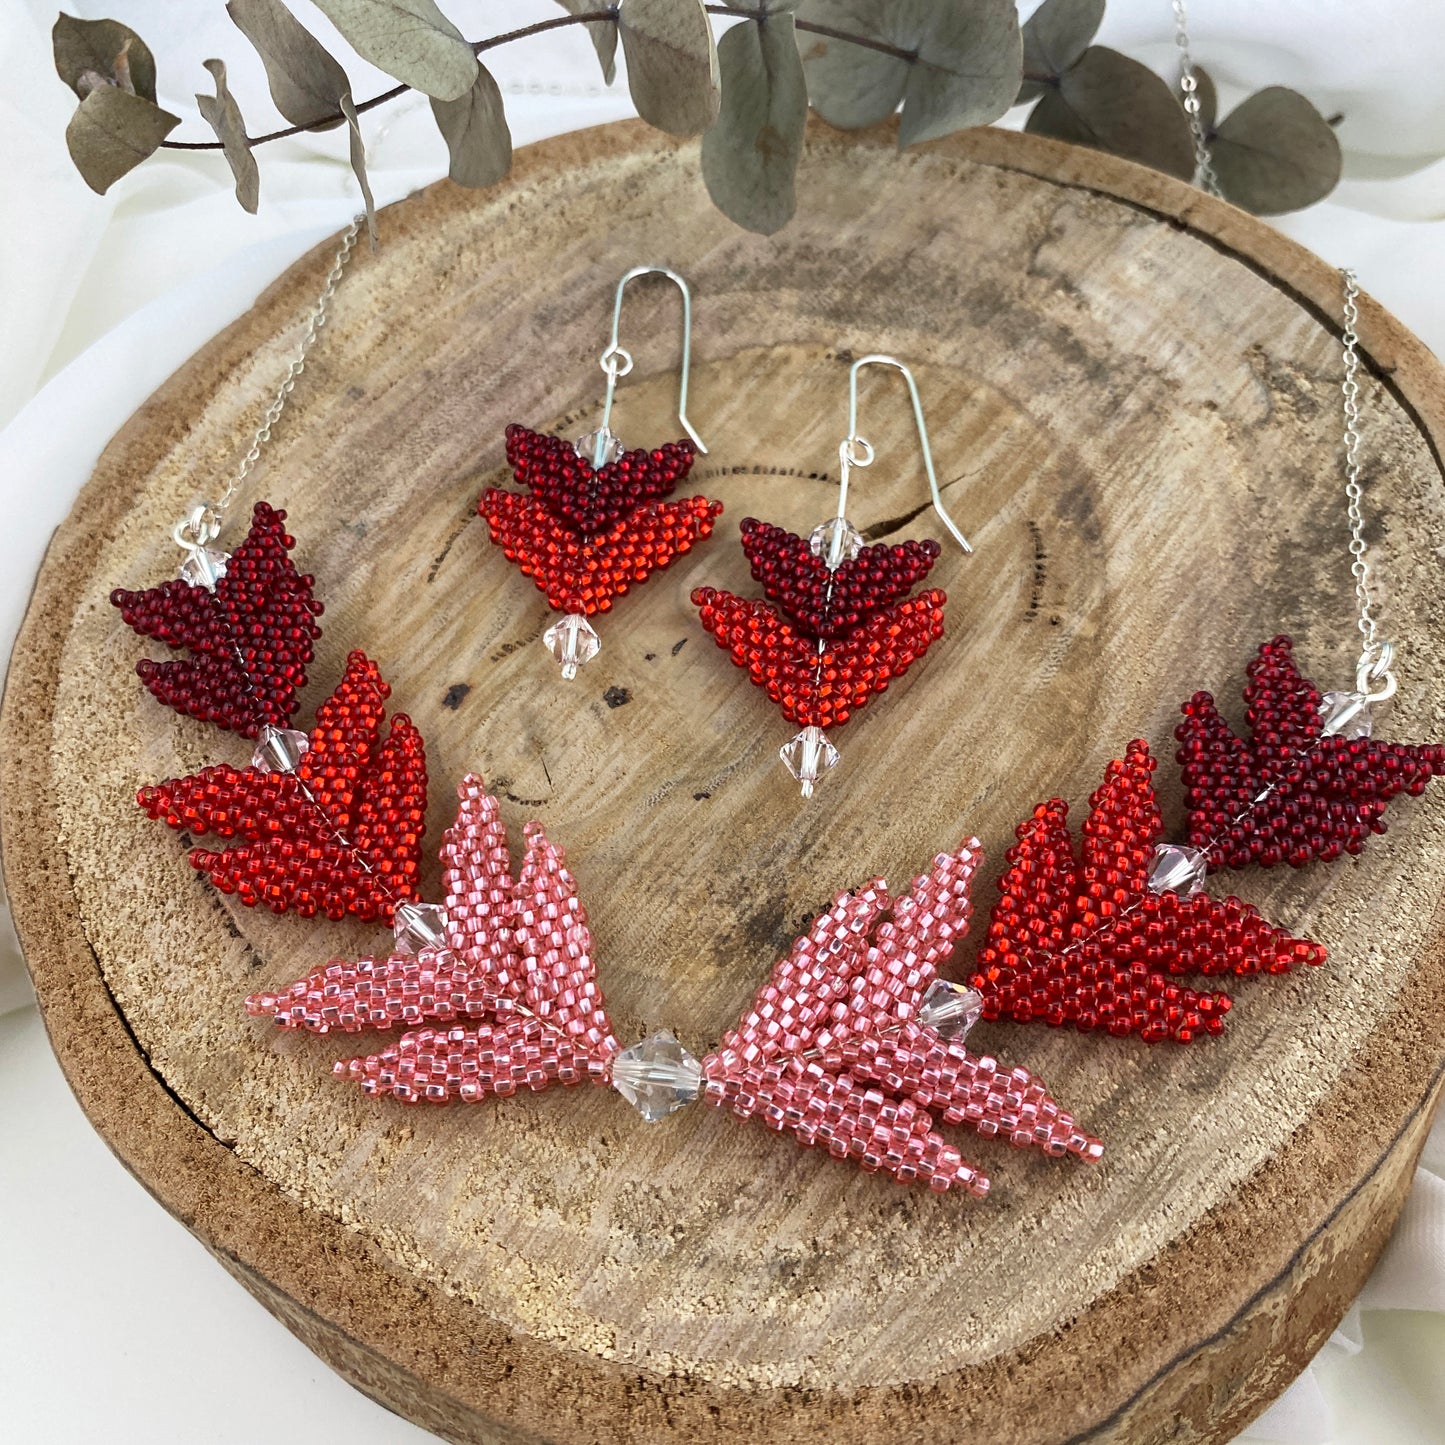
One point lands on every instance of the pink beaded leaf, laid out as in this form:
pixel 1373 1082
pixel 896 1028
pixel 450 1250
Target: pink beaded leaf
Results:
pixel 251 639
pixel 1288 794
pixel 1081 940
pixel 832 1050
pixel 513 989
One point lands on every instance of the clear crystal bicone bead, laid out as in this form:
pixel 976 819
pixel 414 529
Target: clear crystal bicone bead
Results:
pixel 418 926
pixel 807 756
pixel 572 642
pixel 951 1009
pixel 598 448
pixel 657 1076
pixel 1176 868
pixel 836 541
pixel 204 567
pixel 1345 715
pixel 280 750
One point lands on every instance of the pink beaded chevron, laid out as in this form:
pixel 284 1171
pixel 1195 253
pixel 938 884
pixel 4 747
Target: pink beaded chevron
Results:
pixel 832 1050
pixel 515 982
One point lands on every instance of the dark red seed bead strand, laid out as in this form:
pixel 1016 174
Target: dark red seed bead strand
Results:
pixel 832 603
pixel 1323 796
pixel 252 638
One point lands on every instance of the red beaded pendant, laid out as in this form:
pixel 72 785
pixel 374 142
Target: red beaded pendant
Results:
pixel 837 636
pixel 340 834
pixel 252 637
pixel 1289 793
pixel 1084 940
pixel 584 534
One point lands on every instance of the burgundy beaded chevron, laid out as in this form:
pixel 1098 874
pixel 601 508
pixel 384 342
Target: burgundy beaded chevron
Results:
pixel 251 636
pixel 1293 792
pixel 835 1049
pixel 1099 939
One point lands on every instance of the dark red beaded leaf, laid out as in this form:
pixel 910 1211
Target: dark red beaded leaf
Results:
pixel 1326 795
pixel 825 691
pixel 831 603
pixel 252 638
pixel 342 834
pixel 1080 940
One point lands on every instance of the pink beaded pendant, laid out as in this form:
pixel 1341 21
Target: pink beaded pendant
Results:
pixel 1308 784
pixel 251 631
pixel 848 1046
pixel 329 822
pixel 1098 940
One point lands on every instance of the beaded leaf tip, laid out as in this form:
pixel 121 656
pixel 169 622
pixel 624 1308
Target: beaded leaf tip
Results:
pixel 1289 793
pixel 251 636
pixel 338 831
pixel 1084 939
pixel 833 1049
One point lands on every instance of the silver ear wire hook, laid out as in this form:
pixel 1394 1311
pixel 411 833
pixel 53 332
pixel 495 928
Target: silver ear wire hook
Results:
pixel 615 361
pixel 857 451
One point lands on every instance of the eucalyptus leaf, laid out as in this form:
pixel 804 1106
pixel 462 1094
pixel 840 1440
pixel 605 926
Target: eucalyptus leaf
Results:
pixel 966 68
pixel 1275 152
pixel 223 115
pixel 1114 104
pixel 1055 36
pixel 105 48
pixel 112 132
pixel 409 39
pixel 358 164
pixel 672 65
pixel 750 157
pixel 602 32
pixel 306 82
pixel 476 133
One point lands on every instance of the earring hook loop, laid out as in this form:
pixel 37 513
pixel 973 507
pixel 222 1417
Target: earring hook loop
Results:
pixel 616 361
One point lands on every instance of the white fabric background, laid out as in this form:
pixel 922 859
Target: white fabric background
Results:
pixel 114 1321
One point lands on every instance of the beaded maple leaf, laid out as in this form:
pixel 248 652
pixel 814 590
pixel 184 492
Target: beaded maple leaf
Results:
pixel 339 834
pixel 1082 939
pixel 586 534
pixel 251 637
pixel 831 1051
pixel 1289 793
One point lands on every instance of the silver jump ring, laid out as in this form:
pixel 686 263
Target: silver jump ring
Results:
pixel 609 361
pixel 848 450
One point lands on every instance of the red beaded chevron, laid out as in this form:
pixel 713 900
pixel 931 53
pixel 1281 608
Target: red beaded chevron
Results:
pixel 1288 794
pixel 251 638
pixel 342 834
pixel 1081 940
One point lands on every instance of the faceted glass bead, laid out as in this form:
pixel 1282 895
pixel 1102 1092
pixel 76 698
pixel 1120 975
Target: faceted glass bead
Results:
pixel 836 541
pixel 572 642
pixel 280 750
pixel 807 755
pixel 950 1008
pixel 657 1076
pixel 1345 715
pixel 419 926
pixel 1177 869
pixel 598 448
pixel 204 567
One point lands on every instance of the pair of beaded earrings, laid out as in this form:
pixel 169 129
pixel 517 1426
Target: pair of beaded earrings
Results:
pixel 837 622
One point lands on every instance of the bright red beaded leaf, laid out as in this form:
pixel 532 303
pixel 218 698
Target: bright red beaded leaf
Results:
pixel 832 1050
pixel 1081 940
pixel 590 501
pixel 252 638
pixel 821 684
pixel 342 834
pixel 832 603
pixel 1288 794
pixel 585 574
pixel 514 986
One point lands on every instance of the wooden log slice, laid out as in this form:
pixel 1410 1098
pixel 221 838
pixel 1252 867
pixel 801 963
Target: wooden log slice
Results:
pixel 1133 392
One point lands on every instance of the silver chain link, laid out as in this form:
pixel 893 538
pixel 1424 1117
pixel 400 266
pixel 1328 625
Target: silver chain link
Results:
pixel 203 522
pixel 1204 176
